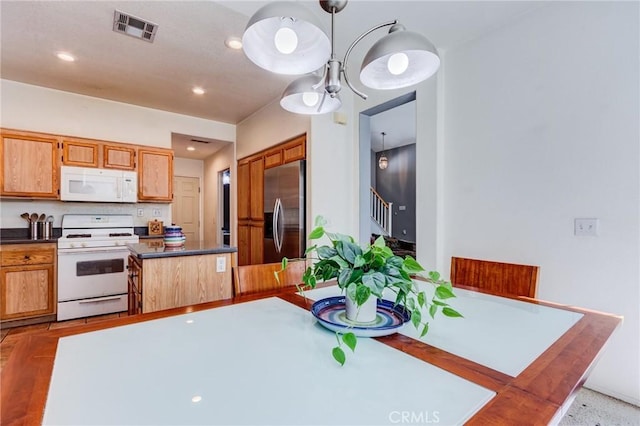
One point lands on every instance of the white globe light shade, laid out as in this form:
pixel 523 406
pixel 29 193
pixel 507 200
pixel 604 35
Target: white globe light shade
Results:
pixel 311 51
pixel 301 97
pixel 392 53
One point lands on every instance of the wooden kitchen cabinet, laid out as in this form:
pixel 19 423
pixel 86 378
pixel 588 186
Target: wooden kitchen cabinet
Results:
pixel 170 282
pixel 244 188
pixel 118 157
pixel 256 193
pixel 155 175
pixel 250 242
pixel 82 152
pixel 27 281
pixel 273 159
pixel 29 164
pixel 250 209
pixel 292 150
pixel 134 281
pixel 250 185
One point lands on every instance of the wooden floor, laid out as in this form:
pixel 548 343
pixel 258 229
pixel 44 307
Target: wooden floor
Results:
pixel 10 336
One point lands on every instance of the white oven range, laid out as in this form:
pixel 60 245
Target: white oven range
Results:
pixel 92 264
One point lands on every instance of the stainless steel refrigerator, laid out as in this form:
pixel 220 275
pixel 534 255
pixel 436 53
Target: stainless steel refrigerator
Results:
pixel 284 212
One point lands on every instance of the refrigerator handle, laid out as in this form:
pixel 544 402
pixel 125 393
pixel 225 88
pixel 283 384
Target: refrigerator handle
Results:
pixel 274 227
pixel 280 230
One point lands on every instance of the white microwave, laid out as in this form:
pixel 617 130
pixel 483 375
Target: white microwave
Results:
pixel 98 185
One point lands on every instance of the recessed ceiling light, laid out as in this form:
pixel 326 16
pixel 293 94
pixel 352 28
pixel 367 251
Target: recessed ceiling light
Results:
pixel 65 56
pixel 233 43
pixel 198 90
pixel 190 148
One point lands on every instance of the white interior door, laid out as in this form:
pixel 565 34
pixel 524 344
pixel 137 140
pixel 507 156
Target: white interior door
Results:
pixel 185 210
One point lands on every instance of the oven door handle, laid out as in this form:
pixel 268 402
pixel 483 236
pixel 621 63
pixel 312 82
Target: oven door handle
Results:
pixel 104 299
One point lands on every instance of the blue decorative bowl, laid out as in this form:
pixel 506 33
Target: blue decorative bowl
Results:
pixel 331 313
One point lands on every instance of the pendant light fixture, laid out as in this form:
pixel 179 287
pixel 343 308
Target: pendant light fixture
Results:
pixel 285 38
pixel 383 162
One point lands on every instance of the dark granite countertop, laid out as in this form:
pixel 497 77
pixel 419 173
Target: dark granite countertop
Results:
pixel 21 236
pixel 191 248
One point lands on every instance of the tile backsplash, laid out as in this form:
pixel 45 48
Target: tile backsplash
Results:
pixel 11 209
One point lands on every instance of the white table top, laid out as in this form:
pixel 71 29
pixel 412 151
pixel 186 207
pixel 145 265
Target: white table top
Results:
pixel 265 362
pixel 500 333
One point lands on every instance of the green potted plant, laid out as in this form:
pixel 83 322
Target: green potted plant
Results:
pixel 363 274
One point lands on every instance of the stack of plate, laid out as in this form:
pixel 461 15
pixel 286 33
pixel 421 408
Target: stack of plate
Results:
pixel 173 236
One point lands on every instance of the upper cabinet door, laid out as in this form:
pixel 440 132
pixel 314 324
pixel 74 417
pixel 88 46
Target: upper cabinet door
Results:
pixel 244 189
pixel 155 175
pixel 82 154
pixel 29 165
pixel 119 157
pixel 294 150
pixel 256 195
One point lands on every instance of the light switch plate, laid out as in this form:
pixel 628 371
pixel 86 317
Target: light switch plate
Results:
pixel 221 264
pixel 140 212
pixel 585 227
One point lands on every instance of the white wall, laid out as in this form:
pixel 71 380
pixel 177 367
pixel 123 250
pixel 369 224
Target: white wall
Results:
pixel 11 209
pixel 541 127
pixel 332 169
pixel 267 127
pixel 28 107
pixel 212 221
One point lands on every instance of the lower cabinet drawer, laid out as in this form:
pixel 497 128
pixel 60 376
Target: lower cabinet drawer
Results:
pixel 26 255
pixel 90 307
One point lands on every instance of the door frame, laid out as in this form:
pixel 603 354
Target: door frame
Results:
pixel 221 206
pixel 364 135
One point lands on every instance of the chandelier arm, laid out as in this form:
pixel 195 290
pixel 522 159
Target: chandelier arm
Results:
pixel 322 79
pixel 324 96
pixel 333 38
pixel 346 56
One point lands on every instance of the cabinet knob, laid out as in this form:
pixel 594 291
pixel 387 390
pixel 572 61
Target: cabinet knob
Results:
pixel 27 257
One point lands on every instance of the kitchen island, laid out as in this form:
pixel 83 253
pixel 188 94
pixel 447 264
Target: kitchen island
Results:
pixel 168 277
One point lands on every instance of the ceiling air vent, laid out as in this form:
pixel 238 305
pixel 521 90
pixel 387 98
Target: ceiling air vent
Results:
pixel 199 141
pixel 134 26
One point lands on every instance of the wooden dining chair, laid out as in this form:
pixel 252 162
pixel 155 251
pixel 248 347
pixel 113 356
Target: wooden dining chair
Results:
pixel 499 278
pixel 250 279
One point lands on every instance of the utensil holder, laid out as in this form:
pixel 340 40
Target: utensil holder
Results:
pixel 44 230
pixel 33 230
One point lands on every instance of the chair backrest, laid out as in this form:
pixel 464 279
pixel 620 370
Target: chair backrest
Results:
pixel 504 279
pixel 258 278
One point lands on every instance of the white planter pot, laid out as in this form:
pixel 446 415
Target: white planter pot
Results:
pixel 364 313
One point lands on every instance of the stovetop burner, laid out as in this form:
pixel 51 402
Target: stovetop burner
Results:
pixel 79 236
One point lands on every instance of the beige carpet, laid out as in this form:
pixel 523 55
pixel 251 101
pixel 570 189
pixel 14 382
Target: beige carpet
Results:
pixel 592 408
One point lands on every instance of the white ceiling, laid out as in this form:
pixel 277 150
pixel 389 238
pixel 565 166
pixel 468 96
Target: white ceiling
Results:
pixel 189 49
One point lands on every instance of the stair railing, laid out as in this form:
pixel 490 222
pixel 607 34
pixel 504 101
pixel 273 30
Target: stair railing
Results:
pixel 381 211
